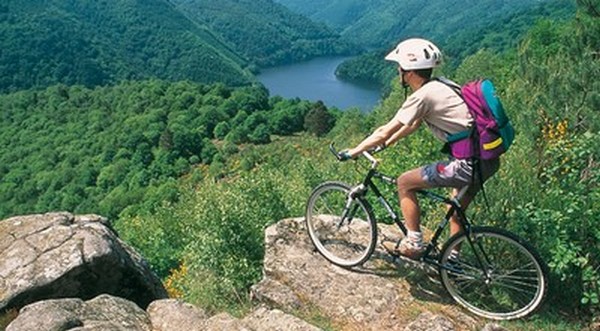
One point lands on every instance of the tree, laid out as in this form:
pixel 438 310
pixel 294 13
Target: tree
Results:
pixel 319 121
pixel 260 135
pixel 221 130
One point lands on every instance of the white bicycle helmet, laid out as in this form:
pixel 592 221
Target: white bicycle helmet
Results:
pixel 415 54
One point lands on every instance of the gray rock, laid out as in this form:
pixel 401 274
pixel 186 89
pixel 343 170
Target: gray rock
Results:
pixel 224 321
pixel 172 314
pixel 59 255
pixel 430 322
pixel 103 313
pixel 384 294
pixel 264 319
pixel 493 327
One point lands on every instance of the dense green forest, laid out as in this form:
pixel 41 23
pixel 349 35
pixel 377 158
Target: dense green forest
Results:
pixel 268 34
pixel 95 43
pixel 99 42
pixel 191 171
pixel 104 149
pixel 499 34
pixel 384 22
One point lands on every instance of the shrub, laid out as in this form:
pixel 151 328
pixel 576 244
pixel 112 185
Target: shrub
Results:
pixel 319 121
pixel 562 220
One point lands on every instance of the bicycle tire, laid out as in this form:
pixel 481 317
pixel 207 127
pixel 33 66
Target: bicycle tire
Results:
pixel 346 243
pixel 512 282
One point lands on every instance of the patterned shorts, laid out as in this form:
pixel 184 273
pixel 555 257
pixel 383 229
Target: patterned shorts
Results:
pixel 458 173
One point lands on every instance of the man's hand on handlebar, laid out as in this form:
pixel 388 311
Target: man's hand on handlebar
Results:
pixel 344 156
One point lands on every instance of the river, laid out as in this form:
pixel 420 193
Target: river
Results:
pixel 315 80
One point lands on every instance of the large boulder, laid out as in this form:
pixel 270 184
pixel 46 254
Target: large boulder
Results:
pixel 60 255
pixel 385 294
pixel 108 313
pixel 103 313
pixel 172 314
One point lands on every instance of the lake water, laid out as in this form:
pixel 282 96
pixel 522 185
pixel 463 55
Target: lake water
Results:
pixel 315 80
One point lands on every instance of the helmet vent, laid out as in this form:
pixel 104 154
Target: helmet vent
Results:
pixel 427 55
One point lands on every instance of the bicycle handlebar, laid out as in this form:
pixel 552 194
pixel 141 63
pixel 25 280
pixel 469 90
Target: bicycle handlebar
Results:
pixel 366 154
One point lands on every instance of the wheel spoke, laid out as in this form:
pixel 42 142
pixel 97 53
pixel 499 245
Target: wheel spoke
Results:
pixel 495 276
pixel 343 231
pixel 533 281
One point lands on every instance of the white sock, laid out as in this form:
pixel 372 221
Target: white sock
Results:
pixel 415 238
pixel 454 255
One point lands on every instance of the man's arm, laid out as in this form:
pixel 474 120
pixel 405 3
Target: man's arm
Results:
pixel 404 131
pixel 377 138
pixel 386 134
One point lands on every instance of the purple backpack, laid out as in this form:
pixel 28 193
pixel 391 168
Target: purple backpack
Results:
pixel 492 134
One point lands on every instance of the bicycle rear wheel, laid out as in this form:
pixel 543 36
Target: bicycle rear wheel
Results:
pixel 497 275
pixel 342 229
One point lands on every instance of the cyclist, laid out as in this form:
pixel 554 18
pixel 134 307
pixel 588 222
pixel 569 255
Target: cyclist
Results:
pixel 445 113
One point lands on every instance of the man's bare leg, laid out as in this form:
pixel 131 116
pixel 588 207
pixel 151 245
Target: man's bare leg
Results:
pixel 408 183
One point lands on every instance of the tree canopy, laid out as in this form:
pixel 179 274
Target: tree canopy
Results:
pixel 104 149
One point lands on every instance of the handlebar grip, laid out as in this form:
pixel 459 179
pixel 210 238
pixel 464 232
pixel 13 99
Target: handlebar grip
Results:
pixel 332 148
pixel 367 154
pixel 334 151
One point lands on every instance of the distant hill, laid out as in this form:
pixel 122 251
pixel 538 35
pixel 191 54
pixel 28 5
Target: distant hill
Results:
pixel 97 42
pixel 498 35
pixel 506 32
pixel 263 31
pixel 102 42
pixel 383 22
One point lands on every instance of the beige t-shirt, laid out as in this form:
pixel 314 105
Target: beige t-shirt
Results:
pixel 438 106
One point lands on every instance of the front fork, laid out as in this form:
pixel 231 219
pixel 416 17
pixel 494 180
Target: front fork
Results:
pixel 351 207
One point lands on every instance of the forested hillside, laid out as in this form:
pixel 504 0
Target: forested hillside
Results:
pixel 105 149
pixel 264 32
pixel 506 32
pixel 384 22
pixel 499 34
pixel 100 42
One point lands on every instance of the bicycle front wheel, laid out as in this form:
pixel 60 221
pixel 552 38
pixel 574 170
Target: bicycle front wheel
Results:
pixel 496 275
pixel 342 228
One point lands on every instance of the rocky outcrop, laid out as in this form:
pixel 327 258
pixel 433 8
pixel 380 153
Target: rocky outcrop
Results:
pixel 108 313
pixel 60 255
pixel 384 294
pixel 103 313
pixel 168 315
pixel 64 256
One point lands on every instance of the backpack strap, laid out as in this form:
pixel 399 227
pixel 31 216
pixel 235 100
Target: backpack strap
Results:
pixel 476 164
pixel 453 85
pixel 459 135
pixel 457 89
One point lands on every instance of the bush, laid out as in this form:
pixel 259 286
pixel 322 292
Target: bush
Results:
pixel 319 121
pixel 563 222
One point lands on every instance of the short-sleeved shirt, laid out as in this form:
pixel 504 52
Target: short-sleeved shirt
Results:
pixel 442 109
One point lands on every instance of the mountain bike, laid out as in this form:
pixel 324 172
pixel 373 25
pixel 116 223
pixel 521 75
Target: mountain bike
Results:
pixel 496 275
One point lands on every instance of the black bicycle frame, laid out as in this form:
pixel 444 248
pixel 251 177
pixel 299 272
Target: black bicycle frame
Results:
pixel 453 203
